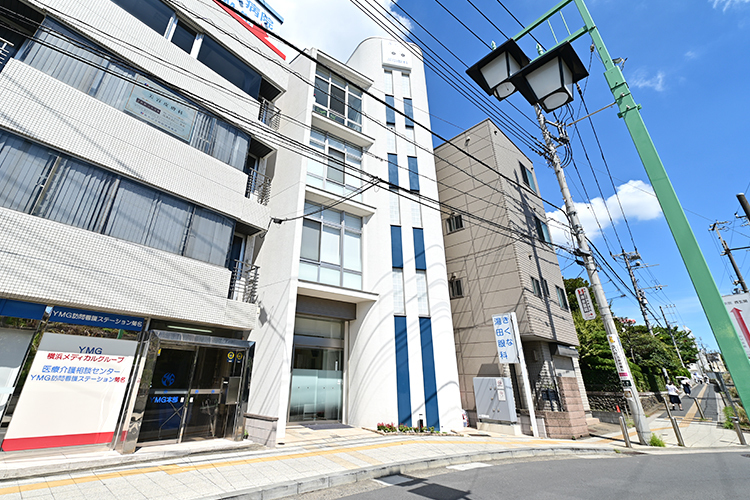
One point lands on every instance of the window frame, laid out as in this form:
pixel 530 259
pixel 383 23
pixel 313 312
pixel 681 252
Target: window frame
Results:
pixel 456 288
pixel 314 215
pixel 536 287
pixel 528 177
pixel 352 93
pixel 350 169
pixel 542 230
pixel 454 223
pixel 562 298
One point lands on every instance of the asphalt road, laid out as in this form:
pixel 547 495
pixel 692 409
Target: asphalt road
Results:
pixel 707 402
pixel 664 476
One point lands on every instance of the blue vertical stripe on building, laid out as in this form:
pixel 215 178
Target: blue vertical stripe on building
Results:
pixel 403 390
pixel 432 411
pixel 393 169
pixel 409 112
pixel 419 258
pixel 397 254
pixel 390 113
pixel 413 174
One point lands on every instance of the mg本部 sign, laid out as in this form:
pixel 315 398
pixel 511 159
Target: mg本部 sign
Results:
pixel 504 326
pixel 257 11
pixel 73 393
pixel 739 311
pixel 152 103
pixel 585 304
pixel 93 318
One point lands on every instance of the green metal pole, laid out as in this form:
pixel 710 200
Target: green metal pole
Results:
pixel 705 286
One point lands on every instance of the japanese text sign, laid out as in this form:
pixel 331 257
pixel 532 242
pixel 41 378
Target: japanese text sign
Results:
pixel 738 306
pixel 585 303
pixel 504 328
pixel 159 107
pixel 93 318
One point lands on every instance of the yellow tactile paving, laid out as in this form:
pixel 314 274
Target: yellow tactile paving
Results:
pixel 690 415
pixel 364 458
pixel 342 462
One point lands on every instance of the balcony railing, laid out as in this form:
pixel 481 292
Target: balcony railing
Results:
pixel 5 47
pixel 244 283
pixel 269 114
pixel 258 186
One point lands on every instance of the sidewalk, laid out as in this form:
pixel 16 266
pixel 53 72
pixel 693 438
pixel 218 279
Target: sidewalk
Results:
pixel 310 460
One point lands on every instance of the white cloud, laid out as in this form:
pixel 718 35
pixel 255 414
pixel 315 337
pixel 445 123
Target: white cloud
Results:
pixel 638 202
pixel 726 4
pixel 641 80
pixel 334 26
pixel 691 54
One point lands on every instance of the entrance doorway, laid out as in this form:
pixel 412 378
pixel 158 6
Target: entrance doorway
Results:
pixel 195 392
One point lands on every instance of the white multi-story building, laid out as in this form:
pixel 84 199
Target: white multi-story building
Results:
pixel 134 139
pixel 354 322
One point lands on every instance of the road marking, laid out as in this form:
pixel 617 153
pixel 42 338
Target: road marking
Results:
pixel 693 410
pixel 469 466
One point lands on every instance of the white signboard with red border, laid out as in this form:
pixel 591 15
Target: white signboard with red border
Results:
pixel 73 393
pixel 739 311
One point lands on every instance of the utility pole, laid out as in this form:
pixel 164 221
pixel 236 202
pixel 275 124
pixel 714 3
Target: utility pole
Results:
pixel 728 252
pixel 640 294
pixel 745 205
pixel 669 329
pixel 623 369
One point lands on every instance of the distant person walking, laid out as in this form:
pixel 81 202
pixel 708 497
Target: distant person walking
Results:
pixel 686 386
pixel 674 398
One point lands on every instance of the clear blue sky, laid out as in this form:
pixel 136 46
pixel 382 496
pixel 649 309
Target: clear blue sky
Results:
pixel 685 66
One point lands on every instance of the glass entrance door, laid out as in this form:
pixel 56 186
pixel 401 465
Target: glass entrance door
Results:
pixel 317 384
pixel 167 397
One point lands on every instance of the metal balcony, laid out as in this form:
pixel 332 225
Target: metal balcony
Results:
pixel 258 187
pixel 244 283
pixel 269 114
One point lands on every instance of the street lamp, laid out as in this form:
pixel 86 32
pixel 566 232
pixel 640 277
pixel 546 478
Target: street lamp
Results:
pixel 548 80
pixel 494 70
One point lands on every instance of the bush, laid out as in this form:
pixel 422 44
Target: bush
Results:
pixel 729 415
pixel 656 441
pixel 386 427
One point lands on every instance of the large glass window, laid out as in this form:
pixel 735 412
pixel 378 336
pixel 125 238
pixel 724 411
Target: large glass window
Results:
pixel 38 180
pixel 388 76
pixel 390 113
pixel 409 112
pixel 331 250
pixel 337 99
pixel 423 303
pixel 152 13
pixel 72 59
pixel 542 231
pixel 399 306
pixel 411 147
pixel 231 67
pixel 528 177
pixel 339 172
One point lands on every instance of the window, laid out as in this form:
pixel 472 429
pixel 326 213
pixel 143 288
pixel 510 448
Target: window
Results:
pixel 528 177
pixel 393 169
pixel 413 174
pixel 536 287
pixel 542 231
pixel 229 66
pixel 545 288
pixel 388 88
pixel 562 298
pixel 183 36
pixel 337 99
pixel 423 303
pixel 331 250
pixel 416 213
pixel 395 209
pixel 454 222
pixel 455 288
pixel 391 138
pixel 409 112
pixel 56 51
pixel 405 85
pixel 398 291
pixel 338 173
pixel 411 148
pixel 390 113
pixel 39 181
pixel 152 13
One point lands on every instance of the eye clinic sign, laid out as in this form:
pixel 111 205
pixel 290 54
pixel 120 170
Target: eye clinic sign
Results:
pixel 73 393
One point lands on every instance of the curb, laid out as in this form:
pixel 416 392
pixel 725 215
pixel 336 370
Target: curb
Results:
pixel 315 483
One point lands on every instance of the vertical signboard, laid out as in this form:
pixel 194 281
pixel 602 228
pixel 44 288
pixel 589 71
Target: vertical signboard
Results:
pixel 585 304
pixel 739 311
pixel 505 338
pixel 73 393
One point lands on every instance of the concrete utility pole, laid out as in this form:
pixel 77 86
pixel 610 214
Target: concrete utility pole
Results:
pixel 623 369
pixel 728 252
pixel 669 329
pixel 640 294
pixel 745 205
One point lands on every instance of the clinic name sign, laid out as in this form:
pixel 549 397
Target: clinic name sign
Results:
pixel 159 107
pixel 253 11
pixel 504 327
pixel 93 318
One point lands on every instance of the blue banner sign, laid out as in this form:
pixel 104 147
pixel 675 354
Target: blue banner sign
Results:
pixel 92 318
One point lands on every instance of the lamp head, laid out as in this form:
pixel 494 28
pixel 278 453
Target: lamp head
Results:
pixel 493 71
pixel 548 80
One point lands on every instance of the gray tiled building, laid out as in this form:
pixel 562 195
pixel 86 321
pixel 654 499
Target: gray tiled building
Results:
pixel 507 265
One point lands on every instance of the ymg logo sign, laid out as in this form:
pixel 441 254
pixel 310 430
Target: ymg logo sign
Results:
pixel 89 350
pixel 168 379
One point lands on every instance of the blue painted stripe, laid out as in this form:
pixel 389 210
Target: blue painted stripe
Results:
pixel 390 113
pixel 428 374
pixel 403 390
pixel 419 259
pixel 393 169
pixel 397 254
pixel 409 112
pixel 413 174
